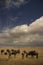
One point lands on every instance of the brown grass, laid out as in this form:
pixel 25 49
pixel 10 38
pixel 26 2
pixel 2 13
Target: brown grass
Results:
pixel 18 60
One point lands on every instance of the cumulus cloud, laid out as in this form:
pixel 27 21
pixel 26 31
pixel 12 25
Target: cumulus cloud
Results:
pixel 37 26
pixel 24 33
pixel 20 29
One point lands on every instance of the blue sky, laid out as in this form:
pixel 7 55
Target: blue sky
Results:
pixel 21 22
pixel 24 12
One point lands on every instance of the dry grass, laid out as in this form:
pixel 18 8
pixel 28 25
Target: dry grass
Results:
pixel 18 60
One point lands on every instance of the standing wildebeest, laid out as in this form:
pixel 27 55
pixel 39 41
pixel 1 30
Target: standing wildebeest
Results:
pixel 2 51
pixel 31 53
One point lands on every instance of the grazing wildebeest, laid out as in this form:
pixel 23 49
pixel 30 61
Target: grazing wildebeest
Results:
pixel 13 52
pixel 2 51
pixel 31 53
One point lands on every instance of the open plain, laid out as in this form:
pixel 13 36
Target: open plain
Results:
pixel 4 60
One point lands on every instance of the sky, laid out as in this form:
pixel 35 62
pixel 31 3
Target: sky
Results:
pixel 21 22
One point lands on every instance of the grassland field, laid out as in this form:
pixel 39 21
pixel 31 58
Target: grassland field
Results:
pixel 18 60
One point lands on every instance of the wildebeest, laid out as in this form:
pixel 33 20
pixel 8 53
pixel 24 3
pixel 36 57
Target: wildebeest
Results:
pixel 31 53
pixel 2 51
pixel 13 52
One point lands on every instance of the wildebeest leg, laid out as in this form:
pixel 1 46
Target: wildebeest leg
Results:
pixel 32 56
pixel 22 55
pixel 26 55
pixel 37 56
pixel 14 55
pixel 9 56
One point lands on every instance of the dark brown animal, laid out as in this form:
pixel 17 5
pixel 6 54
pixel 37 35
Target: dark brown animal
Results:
pixel 2 51
pixel 31 53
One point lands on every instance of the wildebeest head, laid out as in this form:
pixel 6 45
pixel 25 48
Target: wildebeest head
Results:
pixel 8 50
pixel 5 53
pixel 2 51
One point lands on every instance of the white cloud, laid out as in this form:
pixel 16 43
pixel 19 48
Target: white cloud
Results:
pixel 19 29
pixel 24 33
pixel 36 26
